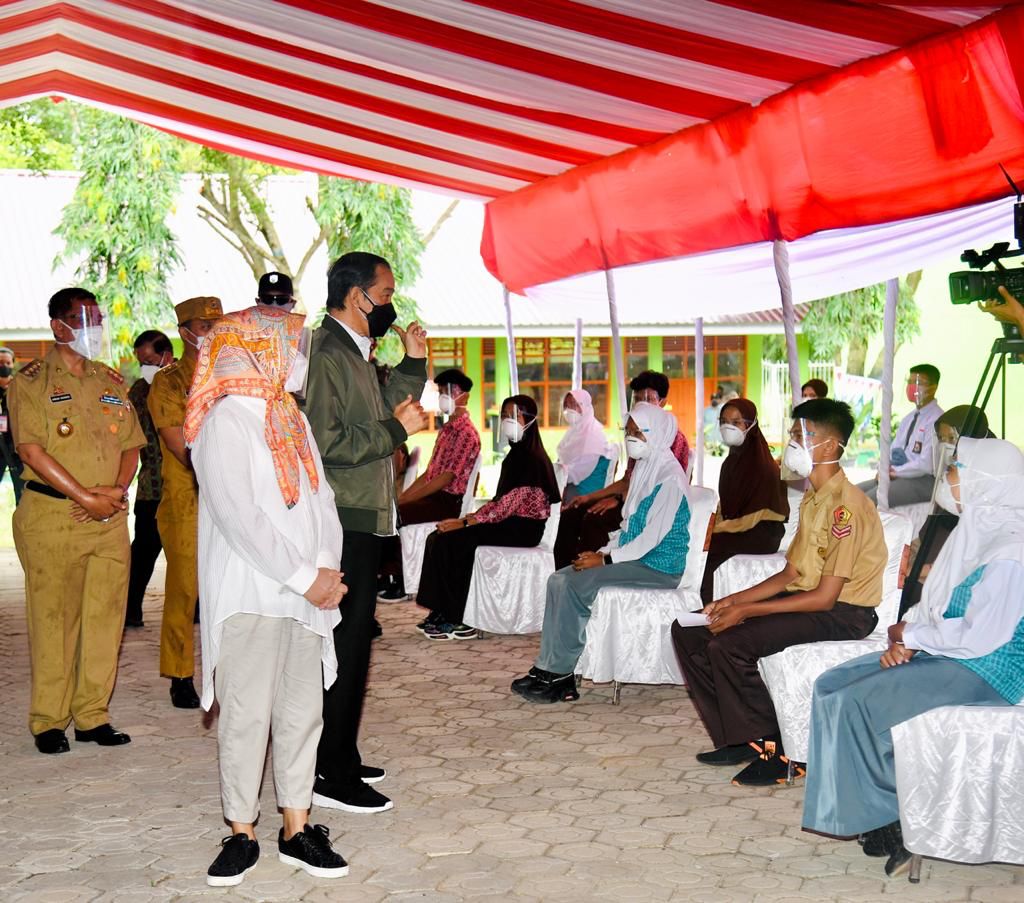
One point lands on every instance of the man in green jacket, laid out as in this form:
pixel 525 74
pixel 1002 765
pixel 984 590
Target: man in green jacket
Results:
pixel 358 425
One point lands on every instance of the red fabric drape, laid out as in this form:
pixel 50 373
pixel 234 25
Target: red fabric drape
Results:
pixel 913 132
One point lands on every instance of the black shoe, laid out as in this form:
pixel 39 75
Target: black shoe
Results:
pixel 883 841
pixel 312 852
pixel 768 769
pixel 358 797
pixel 731 755
pixel 237 857
pixel 368 774
pixel 104 735
pixel 52 742
pixel 430 620
pixel 898 862
pixel 377 631
pixel 183 693
pixel 133 622
pixel 392 590
pixel 545 687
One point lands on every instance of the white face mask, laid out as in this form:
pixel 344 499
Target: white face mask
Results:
pixel 512 429
pixel 197 340
pixel 733 435
pixel 571 417
pixel 798 459
pixel 148 371
pixel 944 497
pixel 944 452
pixel 637 448
pixel 446 404
pixel 87 341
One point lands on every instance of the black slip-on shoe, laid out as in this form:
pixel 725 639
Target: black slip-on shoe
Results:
pixel 898 862
pixel 52 742
pixel 183 693
pixel 359 797
pixel 732 755
pixel 768 769
pixel 237 857
pixel 370 774
pixel 104 735
pixel 311 851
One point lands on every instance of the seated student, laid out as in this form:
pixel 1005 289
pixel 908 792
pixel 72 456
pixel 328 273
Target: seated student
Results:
pixel 588 519
pixel 514 517
pixel 911 466
pixel 584 452
pixel 649 551
pixel 753 506
pixel 828 590
pixel 814 388
pixel 964 647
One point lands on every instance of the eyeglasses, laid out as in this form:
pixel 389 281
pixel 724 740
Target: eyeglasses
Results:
pixel 276 299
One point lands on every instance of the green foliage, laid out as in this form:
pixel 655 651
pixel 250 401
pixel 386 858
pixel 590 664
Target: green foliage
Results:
pixel 36 135
pixel 116 222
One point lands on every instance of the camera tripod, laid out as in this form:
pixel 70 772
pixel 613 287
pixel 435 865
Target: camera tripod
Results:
pixel 1008 349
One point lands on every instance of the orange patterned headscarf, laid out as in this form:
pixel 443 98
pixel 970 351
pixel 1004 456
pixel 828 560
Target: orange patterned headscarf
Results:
pixel 250 353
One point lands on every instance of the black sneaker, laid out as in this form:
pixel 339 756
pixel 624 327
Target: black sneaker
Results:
pixel 768 769
pixel 369 774
pixel 183 693
pixel 311 851
pixel 731 755
pixel 429 621
pixel 883 841
pixel 237 857
pixel 440 630
pixel 545 687
pixel 463 632
pixel 360 797
pixel 899 862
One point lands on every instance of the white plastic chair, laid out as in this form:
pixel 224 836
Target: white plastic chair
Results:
pixel 414 537
pixel 629 633
pixel 791 673
pixel 958 778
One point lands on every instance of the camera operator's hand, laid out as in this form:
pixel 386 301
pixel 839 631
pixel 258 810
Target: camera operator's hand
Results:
pixel 1009 310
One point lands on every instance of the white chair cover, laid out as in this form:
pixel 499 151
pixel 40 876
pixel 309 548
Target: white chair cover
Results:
pixel 918 514
pixel 506 594
pixel 414 537
pixel 629 632
pixel 791 673
pixel 959 780
pixel 412 469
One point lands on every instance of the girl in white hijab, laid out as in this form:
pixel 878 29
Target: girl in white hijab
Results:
pixel 649 551
pixel 585 454
pixel 964 645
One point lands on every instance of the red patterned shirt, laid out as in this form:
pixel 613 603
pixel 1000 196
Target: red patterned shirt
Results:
pixel 524 501
pixel 455 452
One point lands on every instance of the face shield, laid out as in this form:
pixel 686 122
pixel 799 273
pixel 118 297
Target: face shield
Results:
pixel 88 329
pixel 514 423
pixel 448 395
pixel 943 454
pixel 917 388
pixel 649 396
pixel 298 374
pixel 636 443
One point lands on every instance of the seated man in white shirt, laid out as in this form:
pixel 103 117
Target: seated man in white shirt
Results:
pixel 911 463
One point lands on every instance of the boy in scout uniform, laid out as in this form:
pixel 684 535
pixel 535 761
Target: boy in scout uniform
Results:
pixel 828 590
pixel 177 515
pixel 79 439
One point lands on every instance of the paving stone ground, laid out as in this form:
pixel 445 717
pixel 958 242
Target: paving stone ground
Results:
pixel 495 799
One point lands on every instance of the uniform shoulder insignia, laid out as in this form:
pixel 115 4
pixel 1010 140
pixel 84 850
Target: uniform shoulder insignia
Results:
pixel 113 374
pixel 32 369
pixel 841 519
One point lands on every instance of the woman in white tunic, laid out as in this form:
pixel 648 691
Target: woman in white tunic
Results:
pixel 269 543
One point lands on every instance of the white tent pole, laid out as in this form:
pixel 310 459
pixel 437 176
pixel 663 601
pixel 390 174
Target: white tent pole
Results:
pixel 698 372
pixel 577 356
pixel 780 252
pixel 513 365
pixel 892 297
pixel 620 370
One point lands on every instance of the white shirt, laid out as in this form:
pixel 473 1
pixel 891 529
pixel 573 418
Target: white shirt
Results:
pixel 992 616
pixel 363 342
pixel 256 555
pixel 919 442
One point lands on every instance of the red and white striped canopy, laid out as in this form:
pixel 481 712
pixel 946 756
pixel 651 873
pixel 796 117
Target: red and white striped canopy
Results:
pixel 475 97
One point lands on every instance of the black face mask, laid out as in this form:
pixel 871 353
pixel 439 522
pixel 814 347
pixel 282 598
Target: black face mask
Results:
pixel 5 371
pixel 380 318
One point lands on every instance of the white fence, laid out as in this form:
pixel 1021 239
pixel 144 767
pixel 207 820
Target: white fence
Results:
pixel 776 396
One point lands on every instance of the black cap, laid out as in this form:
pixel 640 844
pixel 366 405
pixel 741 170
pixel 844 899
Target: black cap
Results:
pixel 275 284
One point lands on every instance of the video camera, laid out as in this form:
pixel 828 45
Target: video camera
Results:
pixel 966 287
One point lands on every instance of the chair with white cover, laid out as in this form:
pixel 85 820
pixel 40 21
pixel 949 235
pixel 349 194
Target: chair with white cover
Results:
pixel 412 468
pixel 791 673
pixel 629 633
pixel 414 537
pixel 506 593
pixel 958 779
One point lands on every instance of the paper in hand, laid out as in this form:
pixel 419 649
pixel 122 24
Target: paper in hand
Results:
pixel 692 619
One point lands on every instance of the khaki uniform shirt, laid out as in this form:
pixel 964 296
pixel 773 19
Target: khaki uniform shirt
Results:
pixel 84 422
pixel 167 399
pixel 840 535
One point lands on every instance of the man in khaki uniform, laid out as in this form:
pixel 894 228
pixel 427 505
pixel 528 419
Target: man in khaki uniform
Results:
pixel 79 439
pixel 177 515
pixel 828 590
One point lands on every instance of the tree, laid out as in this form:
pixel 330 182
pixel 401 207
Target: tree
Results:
pixel 36 135
pixel 116 221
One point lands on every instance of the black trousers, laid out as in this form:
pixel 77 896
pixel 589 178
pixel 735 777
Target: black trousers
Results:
pixel 337 757
pixel 721 671
pixel 761 539
pixel 448 561
pixel 435 507
pixel 10 462
pixel 146 548
pixel 580 530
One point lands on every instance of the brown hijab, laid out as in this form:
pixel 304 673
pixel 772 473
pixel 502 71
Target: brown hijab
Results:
pixel 750 479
